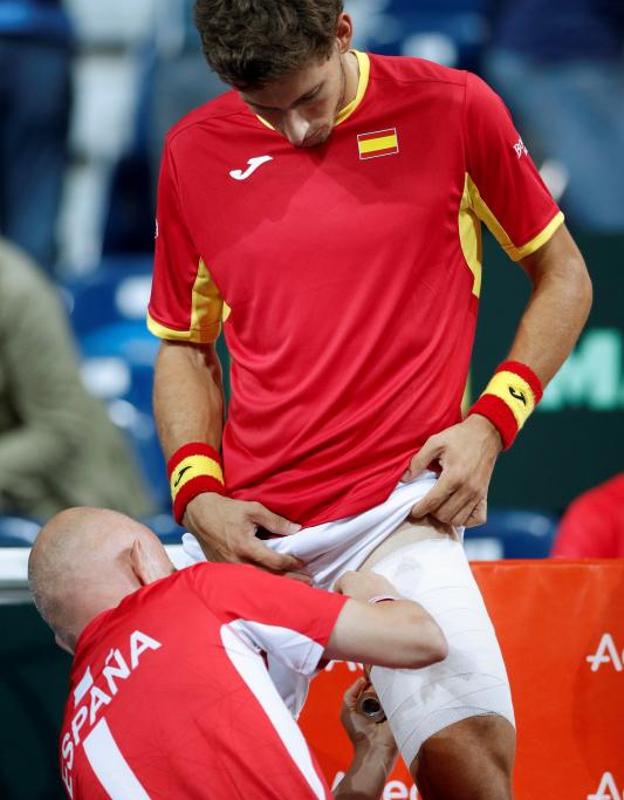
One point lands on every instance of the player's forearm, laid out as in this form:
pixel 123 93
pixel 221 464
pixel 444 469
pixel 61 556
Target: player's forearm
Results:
pixel 188 396
pixel 393 634
pixel 558 307
pixel 367 775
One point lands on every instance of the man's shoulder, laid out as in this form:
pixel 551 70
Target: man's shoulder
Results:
pixel 406 69
pixel 212 116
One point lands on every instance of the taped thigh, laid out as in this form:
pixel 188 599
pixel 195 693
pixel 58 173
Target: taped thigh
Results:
pixel 472 680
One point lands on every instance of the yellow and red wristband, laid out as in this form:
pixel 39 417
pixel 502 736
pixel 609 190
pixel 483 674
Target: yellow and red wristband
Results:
pixel 509 399
pixel 193 468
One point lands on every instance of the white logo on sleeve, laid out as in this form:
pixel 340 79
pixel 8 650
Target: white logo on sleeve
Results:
pixel 520 148
pixel 253 165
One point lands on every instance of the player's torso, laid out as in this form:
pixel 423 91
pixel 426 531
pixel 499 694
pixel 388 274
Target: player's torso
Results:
pixel 287 230
pixel 160 708
pixel 352 305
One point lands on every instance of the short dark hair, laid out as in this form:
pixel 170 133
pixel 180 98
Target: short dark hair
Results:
pixel 250 43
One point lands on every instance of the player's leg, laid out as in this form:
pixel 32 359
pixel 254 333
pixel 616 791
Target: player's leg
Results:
pixel 453 721
pixel 469 760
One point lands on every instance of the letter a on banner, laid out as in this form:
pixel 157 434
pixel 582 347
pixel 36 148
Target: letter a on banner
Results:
pixel 607 784
pixel 606 652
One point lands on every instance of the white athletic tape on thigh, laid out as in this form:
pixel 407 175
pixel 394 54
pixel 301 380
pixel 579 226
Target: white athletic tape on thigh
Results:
pixel 472 680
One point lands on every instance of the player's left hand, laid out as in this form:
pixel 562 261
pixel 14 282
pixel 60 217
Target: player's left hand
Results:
pixel 363 732
pixel 467 453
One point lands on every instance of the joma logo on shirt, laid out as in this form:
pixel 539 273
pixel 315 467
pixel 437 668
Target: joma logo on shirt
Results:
pixel 90 699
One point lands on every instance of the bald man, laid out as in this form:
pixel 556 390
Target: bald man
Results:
pixel 172 689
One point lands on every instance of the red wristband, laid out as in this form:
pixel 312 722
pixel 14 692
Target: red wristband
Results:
pixel 509 399
pixel 193 469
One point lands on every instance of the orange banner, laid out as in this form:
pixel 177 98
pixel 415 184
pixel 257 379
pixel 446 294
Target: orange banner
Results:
pixel 561 628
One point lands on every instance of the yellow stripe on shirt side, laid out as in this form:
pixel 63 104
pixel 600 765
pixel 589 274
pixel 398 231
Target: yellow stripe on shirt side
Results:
pixel 502 237
pixel 208 310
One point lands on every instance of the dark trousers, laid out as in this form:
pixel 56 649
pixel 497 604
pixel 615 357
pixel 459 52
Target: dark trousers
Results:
pixel 34 114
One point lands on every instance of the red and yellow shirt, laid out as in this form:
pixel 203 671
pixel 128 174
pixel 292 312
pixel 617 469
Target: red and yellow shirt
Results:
pixel 346 276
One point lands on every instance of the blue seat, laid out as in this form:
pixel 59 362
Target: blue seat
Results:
pixel 452 32
pixel 512 534
pixel 165 527
pixel 128 339
pixel 18 532
pixel 117 291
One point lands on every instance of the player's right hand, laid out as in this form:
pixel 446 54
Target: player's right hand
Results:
pixel 364 585
pixel 226 530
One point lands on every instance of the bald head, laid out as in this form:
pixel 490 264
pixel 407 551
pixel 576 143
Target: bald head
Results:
pixel 86 560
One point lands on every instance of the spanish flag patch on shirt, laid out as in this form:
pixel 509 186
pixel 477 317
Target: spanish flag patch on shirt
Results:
pixel 378 143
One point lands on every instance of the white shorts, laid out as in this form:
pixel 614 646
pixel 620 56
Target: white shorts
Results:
pixel 335 547
pixel 418 703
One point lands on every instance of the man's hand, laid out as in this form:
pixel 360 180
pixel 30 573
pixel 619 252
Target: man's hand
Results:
pixel 364 585
pixel 467 453
pixel 226 530
pixel 374 750
pixel 362 731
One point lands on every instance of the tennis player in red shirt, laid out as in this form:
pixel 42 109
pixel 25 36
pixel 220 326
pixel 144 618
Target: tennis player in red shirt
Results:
pixel 175 679
pixel 326 214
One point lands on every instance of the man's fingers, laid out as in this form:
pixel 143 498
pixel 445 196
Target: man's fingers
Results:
pixel 456 509
pixel 272 522
pixel 213 554
pixel 434 498
pixel 303 577
pixel 478 515
pixel 431 449
pixel 260 555
pixel 353 692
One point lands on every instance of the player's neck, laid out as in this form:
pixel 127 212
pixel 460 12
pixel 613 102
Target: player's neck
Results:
pixel 351 67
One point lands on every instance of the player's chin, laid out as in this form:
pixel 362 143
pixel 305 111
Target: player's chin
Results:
pixel 318 137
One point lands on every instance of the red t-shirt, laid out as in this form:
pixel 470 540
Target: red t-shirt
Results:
pixel 170 696
pixel 593 526
pixel 348 275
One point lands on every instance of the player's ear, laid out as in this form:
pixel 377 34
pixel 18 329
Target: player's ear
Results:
pixel 344 32
pixel 149 564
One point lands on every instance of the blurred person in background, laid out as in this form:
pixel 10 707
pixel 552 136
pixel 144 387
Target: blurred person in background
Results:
pixel 593 525
pixel 57 444
pixel 35 61
pixel 179 672
pixel 560 67
pixel 181 82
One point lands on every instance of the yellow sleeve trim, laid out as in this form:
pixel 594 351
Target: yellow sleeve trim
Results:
pixel 192 466
pixel 541 238
pixel 494 226
pixel 208 310
pixel 515 392
pixel 171 334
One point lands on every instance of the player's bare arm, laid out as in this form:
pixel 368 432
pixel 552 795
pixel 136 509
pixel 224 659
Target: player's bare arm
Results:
pixel 188 406
pixel 374 750
pixel 551 324
pixel 398 633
